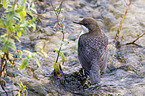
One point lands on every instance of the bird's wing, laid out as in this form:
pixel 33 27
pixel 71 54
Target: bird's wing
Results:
pixel 101 55
pixel 103 61
pixel 83 54
pixel 87 51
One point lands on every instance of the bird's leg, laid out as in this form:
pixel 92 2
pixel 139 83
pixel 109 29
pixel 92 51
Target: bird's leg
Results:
pixel 83 73
pixel 83 76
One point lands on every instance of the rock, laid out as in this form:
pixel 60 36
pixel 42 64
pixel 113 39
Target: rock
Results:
pixel 49 31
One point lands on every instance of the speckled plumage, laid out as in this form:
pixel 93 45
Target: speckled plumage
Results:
pixel 92 49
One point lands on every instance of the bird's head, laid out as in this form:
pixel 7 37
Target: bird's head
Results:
pixel 89 23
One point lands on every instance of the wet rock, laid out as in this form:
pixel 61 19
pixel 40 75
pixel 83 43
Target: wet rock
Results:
pixel 52 43
pixel 49 31
pixel 121 78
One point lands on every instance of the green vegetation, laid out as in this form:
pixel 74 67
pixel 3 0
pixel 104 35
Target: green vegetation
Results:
pixel 16 21
pixel 22 89
pixel 57 66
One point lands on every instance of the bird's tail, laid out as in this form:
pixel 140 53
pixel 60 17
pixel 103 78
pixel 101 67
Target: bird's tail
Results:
pixel 95 73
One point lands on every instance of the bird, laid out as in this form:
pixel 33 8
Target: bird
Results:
pixel 92 50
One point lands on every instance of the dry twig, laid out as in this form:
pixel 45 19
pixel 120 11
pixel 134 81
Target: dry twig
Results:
pixel 133 42
pixel 117 34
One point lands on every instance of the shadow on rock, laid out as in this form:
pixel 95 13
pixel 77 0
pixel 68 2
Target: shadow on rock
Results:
pixel 76 83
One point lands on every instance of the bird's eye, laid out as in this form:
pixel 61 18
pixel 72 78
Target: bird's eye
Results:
pixel 86 23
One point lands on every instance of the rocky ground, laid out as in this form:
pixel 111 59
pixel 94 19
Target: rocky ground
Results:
pixel 125 74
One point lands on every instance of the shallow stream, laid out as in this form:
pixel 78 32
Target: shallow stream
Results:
pixel 125 74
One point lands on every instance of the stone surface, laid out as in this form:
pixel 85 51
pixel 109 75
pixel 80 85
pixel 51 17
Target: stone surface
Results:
pixel 126 68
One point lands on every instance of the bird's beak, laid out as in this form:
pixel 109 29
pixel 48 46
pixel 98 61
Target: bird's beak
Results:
pixel 78 23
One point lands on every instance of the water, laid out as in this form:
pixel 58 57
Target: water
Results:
pixel 125 74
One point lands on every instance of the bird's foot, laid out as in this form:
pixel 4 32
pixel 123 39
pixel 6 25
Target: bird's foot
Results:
pixel 83 73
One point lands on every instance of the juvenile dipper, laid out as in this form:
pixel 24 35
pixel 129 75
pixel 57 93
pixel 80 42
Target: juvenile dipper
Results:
pixel 92 49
